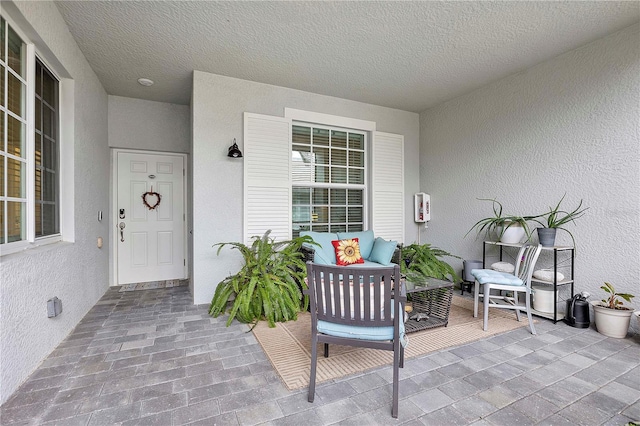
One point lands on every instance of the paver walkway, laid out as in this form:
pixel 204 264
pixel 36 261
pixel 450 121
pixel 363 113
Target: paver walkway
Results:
pixel 150 357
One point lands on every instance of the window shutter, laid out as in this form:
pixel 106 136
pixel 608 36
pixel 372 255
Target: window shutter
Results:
pixel 267 176
pixel 387 171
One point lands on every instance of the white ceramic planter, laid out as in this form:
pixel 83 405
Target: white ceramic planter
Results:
pixel 611 322
pixel 512 235
pixel 637 315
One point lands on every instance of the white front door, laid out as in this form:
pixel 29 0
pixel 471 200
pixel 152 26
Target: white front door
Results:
pixel 150 237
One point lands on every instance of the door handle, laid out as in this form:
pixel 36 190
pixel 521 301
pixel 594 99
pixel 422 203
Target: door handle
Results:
pixel 122 226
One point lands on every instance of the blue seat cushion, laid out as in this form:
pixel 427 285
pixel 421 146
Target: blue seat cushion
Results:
pixel 362 333
pixel 484 276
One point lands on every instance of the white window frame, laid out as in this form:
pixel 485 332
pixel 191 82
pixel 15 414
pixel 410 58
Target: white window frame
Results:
pixel 365 187
pixel 66 151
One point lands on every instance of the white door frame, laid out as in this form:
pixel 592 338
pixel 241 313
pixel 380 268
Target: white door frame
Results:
pixel 114 206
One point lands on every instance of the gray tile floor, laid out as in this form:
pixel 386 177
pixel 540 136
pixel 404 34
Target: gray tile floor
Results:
pixel 150 357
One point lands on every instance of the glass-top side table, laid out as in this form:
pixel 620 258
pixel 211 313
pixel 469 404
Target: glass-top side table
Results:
pixel 431 303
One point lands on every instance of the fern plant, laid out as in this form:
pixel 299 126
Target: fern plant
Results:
pixel 269 285
pixel 422 260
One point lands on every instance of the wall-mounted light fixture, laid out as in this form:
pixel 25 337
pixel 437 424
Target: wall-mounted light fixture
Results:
pixel 234 151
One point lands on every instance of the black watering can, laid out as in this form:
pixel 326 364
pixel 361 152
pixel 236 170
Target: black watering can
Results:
pixel 578 311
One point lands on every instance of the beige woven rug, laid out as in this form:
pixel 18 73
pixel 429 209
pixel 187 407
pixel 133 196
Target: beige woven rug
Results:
pixel 288 345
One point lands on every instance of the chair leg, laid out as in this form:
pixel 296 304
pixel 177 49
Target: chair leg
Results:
pixel 487 292
pixel 528 303
pixel 401 356
pixel 312 375
pixel 326 350
pixel 396 373
pixel 476 295
pixel 516 302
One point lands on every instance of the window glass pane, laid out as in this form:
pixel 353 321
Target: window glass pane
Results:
pixel 16 137
pixel 321 155
pixel 301 195
pixel 2 85
pixel 322 174
pixel 301 168
pixel 301 214
pixel 2 222
pixel 321 137
pixel 50 219
pixel 49 88
pixel 38 219
pixel 338 196
pixel 16 178
pixel 2 38
pixel 320 196
pixel 355 197
pixel 355 227
pixel 16 53
pixel 38 122
pixel 338 139
pixel 50 154
pixel 356 141
pixel 321 215
pixel 301 135
pixel 338 157
pixel 38 184
pixel 48 126
pixel 16 91
pixel 38 147
pixel 38 79
pixel 355 214
pixel 338 228
pixel 16 213
pixel 49 186
pixel 2 159
pixel 356 176
pixel 320 228
pixel 338 175
pixel 356 159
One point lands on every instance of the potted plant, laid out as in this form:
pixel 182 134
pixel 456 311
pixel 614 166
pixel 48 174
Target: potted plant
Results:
pixel 422 260
pixel 611 317
pixel 509 228
pixel 268 286
pixel 555 219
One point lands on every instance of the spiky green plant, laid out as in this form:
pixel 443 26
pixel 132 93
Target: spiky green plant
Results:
pixel 422 260
pixel 269 285
pixel 612 301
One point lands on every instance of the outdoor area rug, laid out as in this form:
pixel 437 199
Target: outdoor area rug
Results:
pixel 288 345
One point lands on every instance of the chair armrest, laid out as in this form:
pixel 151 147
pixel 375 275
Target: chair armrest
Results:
pixel 308 253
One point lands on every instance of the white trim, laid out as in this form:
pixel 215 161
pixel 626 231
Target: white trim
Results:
pixel 114 205
pixel 329 120
pixel 66 134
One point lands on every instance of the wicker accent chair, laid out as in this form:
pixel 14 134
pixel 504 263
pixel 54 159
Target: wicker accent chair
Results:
pixel 519 281
pixel 357 307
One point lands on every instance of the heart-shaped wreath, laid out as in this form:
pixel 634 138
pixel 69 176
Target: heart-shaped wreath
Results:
pixel 151 194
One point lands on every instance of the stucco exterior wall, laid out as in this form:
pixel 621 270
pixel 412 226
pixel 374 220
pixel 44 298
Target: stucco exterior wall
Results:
pixel 76 272
pixel 569 125
pixel 148 125
pixel 218 104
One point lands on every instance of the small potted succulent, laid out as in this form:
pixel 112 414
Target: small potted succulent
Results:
pixel 612 318
pixel 555 219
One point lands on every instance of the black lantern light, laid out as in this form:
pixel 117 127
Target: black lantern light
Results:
pixel 234 151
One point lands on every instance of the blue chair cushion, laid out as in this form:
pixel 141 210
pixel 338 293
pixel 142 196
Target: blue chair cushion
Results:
pixel 365 239
pixel 324 253
pixel 362 333
pixel 382 251
pixel 484 276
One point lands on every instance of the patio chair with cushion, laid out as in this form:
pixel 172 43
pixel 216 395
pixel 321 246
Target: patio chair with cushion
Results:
pixel 516 283
pixel 360 307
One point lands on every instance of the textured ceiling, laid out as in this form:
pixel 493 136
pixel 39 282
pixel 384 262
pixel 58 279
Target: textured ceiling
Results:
pixel 406 55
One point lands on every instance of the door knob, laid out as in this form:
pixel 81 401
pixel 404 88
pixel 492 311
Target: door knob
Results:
pixel 122 226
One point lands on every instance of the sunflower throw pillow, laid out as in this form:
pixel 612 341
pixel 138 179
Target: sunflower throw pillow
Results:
pixel 347 252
